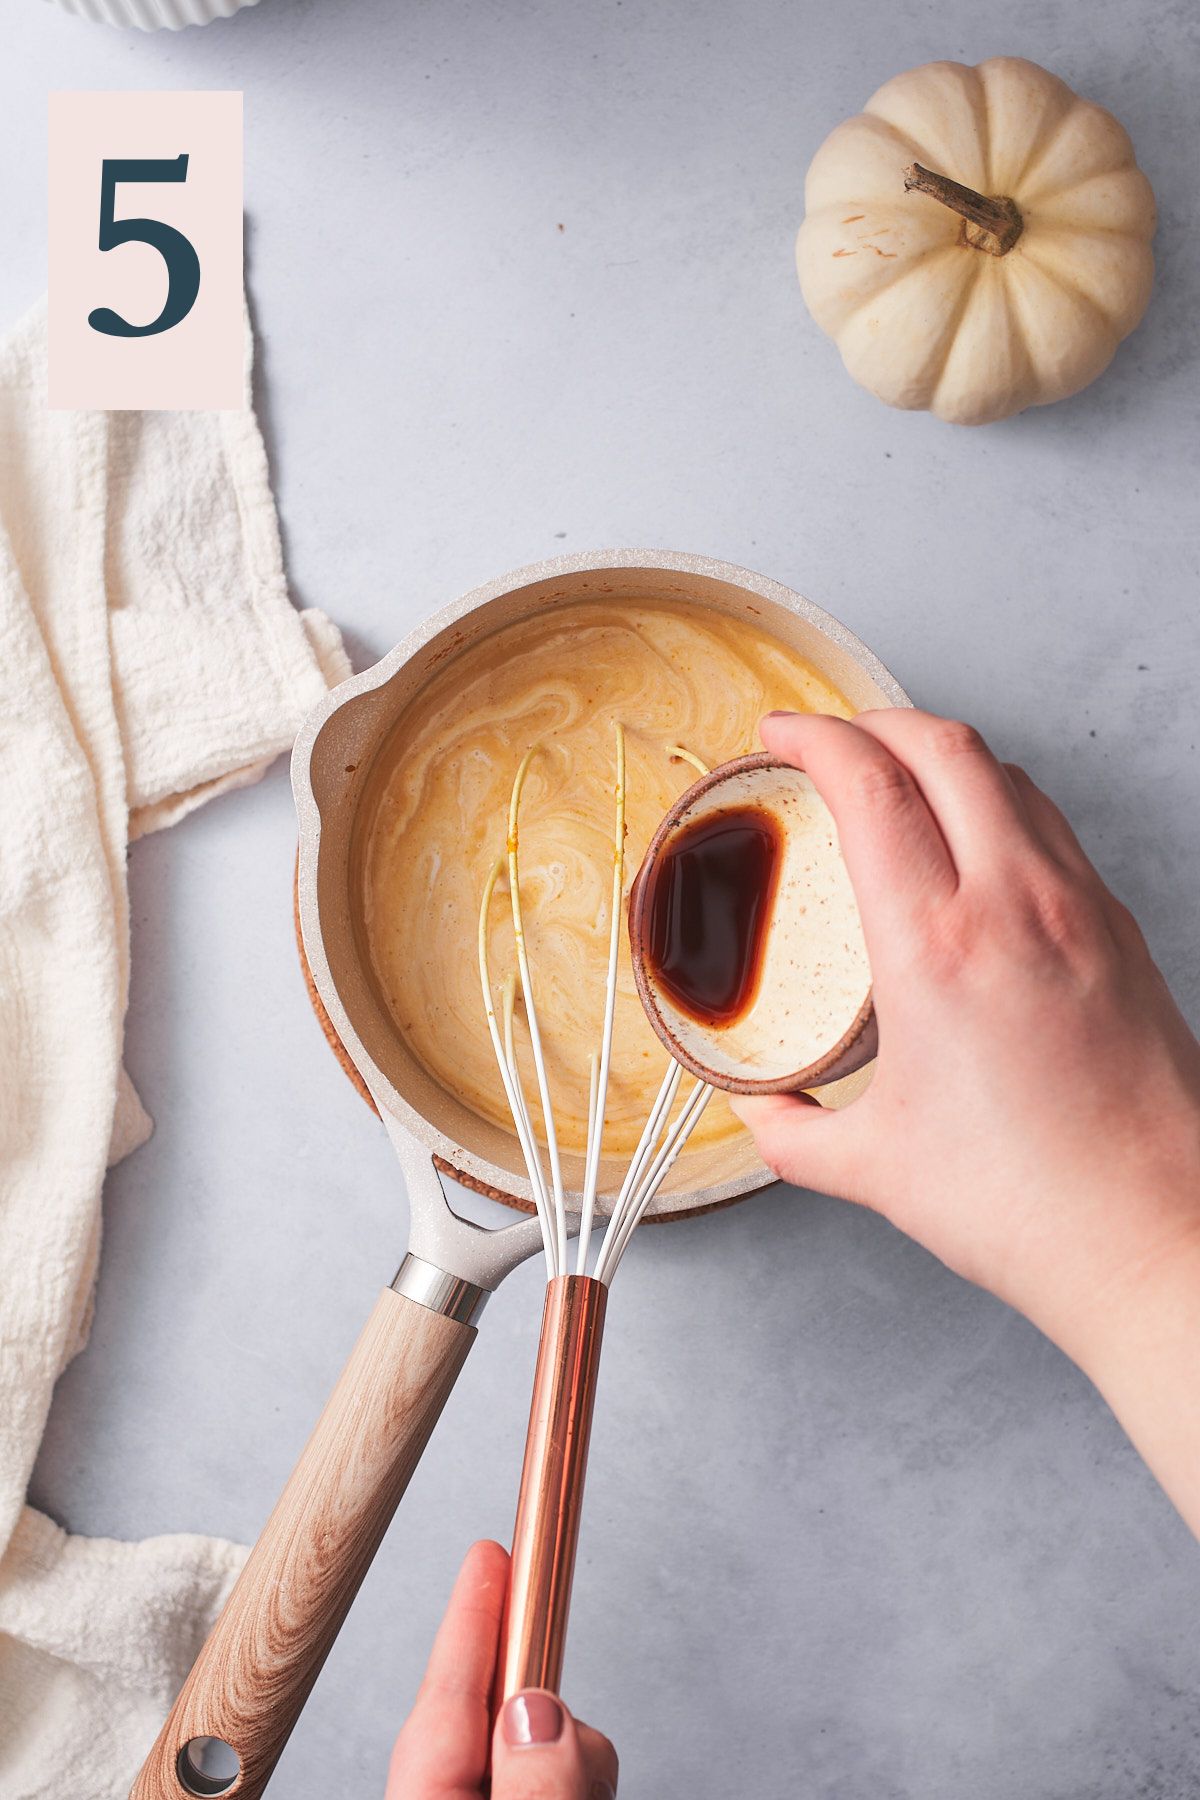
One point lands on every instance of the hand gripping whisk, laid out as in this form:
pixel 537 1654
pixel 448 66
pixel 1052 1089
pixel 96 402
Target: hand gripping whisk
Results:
pixel 546 1533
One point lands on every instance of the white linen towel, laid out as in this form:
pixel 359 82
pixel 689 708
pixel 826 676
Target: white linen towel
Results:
pixel 149 659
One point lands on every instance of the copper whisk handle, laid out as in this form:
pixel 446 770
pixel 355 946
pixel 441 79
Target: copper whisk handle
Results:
pixel 533 1636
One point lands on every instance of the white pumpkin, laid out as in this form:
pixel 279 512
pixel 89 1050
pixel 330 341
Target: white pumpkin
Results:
pixel 977 240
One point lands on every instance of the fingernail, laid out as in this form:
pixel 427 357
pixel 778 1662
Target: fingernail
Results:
pixel 781 713
pixel 532 1719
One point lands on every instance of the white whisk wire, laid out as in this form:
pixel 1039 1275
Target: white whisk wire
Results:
pixel 661 1141
pixel 660 1168
pixel 591 1168
pixel 531 1018
pixel 512 1089
pixel 651 1133
pixel 536 1175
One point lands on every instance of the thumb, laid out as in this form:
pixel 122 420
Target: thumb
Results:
pixel 810 1145
pixel 540 1753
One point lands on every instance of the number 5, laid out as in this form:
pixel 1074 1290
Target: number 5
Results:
pixel 183 265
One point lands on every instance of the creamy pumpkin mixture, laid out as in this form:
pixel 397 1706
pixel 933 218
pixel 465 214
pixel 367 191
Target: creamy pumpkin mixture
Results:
pixel 673 674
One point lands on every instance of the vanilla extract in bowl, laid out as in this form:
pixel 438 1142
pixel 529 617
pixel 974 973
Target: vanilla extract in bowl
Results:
pixel 710 898
pixel 748 951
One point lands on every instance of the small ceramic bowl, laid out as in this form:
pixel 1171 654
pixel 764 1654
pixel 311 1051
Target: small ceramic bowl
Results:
pixel 810 1020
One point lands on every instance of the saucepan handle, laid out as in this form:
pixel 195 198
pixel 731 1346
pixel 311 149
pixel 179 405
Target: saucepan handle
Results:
pixel 253 1675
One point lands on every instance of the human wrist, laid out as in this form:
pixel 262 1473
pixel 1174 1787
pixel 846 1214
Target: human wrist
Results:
pixel 1096 1288
pixel 1145 1298
pixel 1141 1347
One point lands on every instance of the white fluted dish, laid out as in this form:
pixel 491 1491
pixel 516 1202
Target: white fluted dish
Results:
pixel 153 15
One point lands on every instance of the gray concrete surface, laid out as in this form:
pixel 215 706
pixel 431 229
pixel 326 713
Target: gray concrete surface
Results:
pixel 853 1529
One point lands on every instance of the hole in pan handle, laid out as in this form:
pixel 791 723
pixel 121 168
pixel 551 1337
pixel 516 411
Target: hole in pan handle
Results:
pixel 208 1766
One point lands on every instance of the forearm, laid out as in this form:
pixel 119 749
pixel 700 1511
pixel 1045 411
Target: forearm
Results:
pixel 1035 1116
pixel 1142 1350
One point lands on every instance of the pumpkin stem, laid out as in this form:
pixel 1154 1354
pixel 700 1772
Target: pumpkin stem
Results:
pixel 992 224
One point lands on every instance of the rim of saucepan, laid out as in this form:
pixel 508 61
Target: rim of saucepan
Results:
pixel 475 1171
pixel 815 1074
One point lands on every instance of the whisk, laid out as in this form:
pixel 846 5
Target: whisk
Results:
pixel 546 1533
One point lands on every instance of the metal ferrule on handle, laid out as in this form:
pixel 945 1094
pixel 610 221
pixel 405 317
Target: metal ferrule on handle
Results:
pixel 546 1534
pixel 449 1295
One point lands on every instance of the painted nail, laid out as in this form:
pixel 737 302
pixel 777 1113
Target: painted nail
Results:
pixel 532 1719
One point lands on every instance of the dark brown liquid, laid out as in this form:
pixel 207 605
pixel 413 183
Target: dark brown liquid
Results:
pixel 709 902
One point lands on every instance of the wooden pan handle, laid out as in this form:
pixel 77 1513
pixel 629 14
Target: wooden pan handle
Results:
pixel 253 1675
